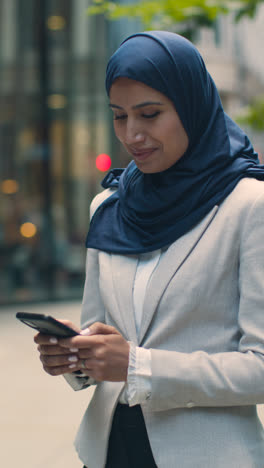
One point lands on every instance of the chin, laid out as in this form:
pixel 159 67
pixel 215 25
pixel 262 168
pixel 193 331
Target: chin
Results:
pixel 150 168
pixel 147 170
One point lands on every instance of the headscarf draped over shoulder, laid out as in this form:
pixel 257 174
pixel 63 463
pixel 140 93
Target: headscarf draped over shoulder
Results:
pixel 150 211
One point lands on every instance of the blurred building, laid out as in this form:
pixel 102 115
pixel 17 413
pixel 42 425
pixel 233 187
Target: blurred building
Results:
pixel 233 53
pixel 54 122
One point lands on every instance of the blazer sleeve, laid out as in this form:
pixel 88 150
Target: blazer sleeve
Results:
pixel 92 311
pixel 92 305
pixel 232 378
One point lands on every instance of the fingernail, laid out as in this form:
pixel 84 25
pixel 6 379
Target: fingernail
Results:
pixel 74 350
pixel 53 340
pixel 71 366
pixel 87 331
pixel 73 358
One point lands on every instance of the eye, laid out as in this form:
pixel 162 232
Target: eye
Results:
pixel 120 117
pixel 151 116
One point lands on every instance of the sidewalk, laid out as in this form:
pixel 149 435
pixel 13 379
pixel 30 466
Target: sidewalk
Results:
pixel 39 414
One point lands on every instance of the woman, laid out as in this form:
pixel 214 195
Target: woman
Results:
pixel 175 271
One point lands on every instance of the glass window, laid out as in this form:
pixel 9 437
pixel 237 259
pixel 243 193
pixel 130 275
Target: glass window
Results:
pixel 54 122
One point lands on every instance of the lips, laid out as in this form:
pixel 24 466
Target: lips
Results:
pixel 142 154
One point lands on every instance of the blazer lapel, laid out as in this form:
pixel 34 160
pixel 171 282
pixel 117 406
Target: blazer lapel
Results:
pixel 123 271
pixel 169 264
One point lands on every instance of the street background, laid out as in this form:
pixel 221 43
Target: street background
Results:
pixel 56 143
pixel 40 414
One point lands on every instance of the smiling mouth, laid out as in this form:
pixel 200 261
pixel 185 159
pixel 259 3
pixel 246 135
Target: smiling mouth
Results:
pixel 142 155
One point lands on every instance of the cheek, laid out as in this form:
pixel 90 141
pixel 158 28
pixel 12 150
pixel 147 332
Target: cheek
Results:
pixel 118 131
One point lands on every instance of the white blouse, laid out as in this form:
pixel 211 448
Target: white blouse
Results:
pixel 138 386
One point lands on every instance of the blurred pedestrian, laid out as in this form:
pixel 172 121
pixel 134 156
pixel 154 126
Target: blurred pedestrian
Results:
pixel 172 318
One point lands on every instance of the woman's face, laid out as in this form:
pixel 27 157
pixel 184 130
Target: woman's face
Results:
pixel 147 125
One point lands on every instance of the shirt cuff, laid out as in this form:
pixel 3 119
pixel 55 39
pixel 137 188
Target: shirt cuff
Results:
pixel 138 388
pixel 78 382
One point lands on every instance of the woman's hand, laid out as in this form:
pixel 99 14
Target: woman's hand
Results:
pixel 57 360
pixel 101 352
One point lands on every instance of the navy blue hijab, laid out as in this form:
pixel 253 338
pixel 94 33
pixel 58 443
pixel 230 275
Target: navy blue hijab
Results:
pixel 150 211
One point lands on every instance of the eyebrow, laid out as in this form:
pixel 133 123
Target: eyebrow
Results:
pixel 138 106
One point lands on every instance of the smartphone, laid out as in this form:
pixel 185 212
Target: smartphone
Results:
pixel 46 324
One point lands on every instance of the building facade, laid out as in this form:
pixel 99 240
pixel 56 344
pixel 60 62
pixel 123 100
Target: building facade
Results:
pixel 234 56
pixel 55 122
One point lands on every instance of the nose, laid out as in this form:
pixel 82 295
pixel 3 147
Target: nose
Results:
pixel 134 133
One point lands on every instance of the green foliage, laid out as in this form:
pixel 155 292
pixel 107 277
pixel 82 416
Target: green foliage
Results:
pixel 247 8
pixel 189 14
pixel 186 17
pixel 253 115
pixel 164 13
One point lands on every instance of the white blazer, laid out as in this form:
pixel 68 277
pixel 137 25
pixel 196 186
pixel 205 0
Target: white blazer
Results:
pixel 203 320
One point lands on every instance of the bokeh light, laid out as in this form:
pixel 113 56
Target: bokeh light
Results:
pixel 56 23
pixel 57 101
pixel 28 230
pixel 103 162
pixel 9 186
